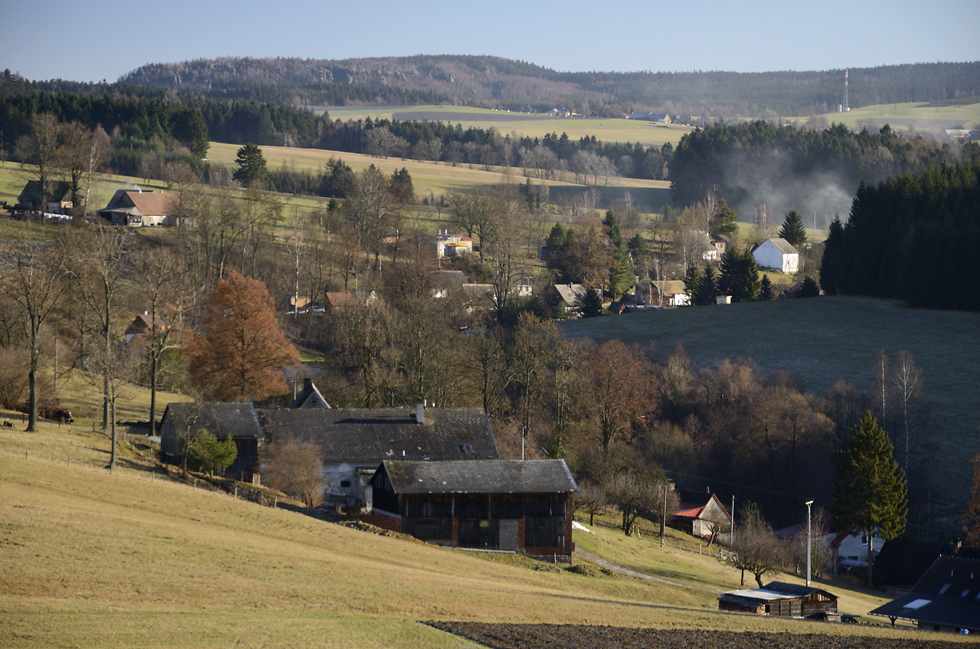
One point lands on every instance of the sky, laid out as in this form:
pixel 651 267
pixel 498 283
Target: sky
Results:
pixel 105 39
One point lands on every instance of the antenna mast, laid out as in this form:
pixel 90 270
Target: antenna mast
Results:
pixel 847 106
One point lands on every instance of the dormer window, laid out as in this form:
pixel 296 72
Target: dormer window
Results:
pixel 466 449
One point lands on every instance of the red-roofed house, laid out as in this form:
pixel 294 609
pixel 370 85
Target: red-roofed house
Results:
pixel 706 520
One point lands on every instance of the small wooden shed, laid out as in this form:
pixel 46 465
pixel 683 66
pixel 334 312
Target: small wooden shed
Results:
pixel 782 600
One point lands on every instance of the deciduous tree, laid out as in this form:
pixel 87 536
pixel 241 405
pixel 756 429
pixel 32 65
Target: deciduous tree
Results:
pixel 754 549
pixel 243 351
pixel 295 468
pixel 971 515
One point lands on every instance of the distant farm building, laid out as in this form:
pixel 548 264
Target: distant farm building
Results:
pixel 780 599
pixel 137 208
pixel 777 254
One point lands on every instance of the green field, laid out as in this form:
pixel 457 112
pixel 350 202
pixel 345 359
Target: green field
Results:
pixel 908 116
pixel 132 558
pixel 606 129
pixel 440 178
pixel 830 338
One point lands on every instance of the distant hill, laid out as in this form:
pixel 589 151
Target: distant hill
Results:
pixel 503 83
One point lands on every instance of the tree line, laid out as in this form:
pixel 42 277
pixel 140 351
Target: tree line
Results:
pixel 905 238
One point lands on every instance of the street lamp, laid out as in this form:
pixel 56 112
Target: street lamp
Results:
pixel 808 504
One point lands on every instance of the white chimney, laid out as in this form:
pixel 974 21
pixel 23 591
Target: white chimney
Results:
pixel 420 413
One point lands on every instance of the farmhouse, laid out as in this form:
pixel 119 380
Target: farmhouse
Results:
pixel 946 598
pixel 777 254
pixel 568 297
pixel 706 521
pixel 669 293
pixel 353 442
pixel 59 198
pixel 182 422
pixel 136 208
pixel 510 505
pixel 310 397
pixel 782 600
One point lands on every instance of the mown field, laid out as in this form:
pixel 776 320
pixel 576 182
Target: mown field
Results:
pixel 918 117
pixel 607 129
pixel 439 178
pixel 829 338
pixel 131 558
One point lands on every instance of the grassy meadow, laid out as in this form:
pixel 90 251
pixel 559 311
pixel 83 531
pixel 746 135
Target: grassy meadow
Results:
pixel 907 117
pixel 607 129
pixel 132 558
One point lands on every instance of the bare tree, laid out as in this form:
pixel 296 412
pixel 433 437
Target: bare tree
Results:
pixel 34 276
pixel 592 499
pixel 40 148
pixel 295 468
pixel 907 379
pixel 755 549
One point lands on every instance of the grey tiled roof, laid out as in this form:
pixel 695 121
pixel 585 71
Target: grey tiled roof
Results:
pixel 367 437
pixel 948 594
pixel 486 477
pixel 785 246
pixel 219 419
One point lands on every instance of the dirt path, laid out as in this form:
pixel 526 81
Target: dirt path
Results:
pixel 608 565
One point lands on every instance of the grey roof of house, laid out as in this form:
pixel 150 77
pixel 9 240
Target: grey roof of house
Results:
pixel 774 591
pixel 948 594
pixel 481 477
pixel 219 419
pixel 368 436
pixel 785 246
pixel 310 397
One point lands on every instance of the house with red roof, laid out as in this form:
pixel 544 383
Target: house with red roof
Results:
pixel 706 521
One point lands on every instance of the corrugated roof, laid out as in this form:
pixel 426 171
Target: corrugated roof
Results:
pixel 366 436
pixel 481 477
pixel 775 591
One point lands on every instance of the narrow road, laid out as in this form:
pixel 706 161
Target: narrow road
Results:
pixel 591 558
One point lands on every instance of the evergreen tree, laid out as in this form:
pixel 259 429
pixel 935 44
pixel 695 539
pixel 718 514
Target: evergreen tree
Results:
pixel 833 258
pixel 591 303
pixel 809 287
pixel 739 276
pixel 692 282
pixel 793 230
pixel 725 221
pixel 765 289
pixel 208 453
pixel 869 486
pixel 557 239
pixel 707 292
pixel 251 170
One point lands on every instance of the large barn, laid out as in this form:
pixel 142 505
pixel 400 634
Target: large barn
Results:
pixel 509 505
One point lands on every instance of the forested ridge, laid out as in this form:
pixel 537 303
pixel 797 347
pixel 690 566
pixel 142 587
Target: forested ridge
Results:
pixel 503 83
pixel 910 237
pixel 810 170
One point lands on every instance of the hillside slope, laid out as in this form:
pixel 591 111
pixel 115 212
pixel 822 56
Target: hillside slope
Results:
pixel 133 559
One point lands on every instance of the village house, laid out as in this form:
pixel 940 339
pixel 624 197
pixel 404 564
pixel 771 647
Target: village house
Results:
pixel 445 244
pixel 136 208
pixel 946 598
pixel 568 298
pixel 671 292
pixel 182 422
pixel 708 521
pixel 507 505
pixel 777 254
pixel 782 600
pixel 353 442
pixel 310 397
pixel 59 197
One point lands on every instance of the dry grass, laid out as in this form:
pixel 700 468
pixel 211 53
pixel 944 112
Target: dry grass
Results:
pixel 133 559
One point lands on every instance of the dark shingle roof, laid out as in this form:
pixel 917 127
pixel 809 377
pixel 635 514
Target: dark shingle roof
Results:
pixel 486 477
pixel 219 419
pixel 948 594
pixel 367 437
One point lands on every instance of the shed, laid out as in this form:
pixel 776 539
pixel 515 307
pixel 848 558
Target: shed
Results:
pixel 707 520
pixel 512 505
pixel 781 599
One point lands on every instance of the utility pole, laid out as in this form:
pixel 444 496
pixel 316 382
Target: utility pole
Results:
pixel 663 519
pixel 731 533
pixel 808 504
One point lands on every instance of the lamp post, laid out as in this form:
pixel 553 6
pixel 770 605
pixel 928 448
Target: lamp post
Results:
pixel 808 504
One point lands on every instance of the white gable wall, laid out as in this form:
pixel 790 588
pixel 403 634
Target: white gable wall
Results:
pixel 768 255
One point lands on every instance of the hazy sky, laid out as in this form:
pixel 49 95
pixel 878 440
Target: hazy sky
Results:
pixel 105 39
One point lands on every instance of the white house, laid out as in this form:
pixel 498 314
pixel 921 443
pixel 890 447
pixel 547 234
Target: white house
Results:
pixel 777 254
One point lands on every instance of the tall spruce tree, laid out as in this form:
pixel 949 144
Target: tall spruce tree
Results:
pixel 869 487
pixel 739 276
pixel 251 170
pixel 793 230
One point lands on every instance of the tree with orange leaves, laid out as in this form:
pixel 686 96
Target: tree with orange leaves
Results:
pixel 971 515
pixel 243 351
